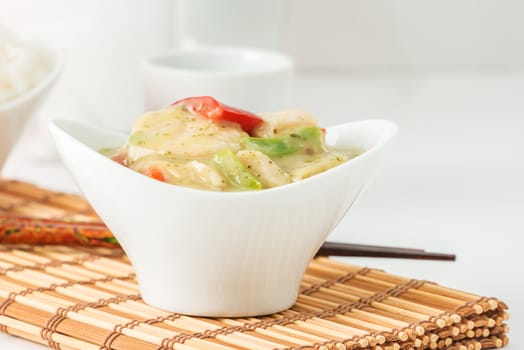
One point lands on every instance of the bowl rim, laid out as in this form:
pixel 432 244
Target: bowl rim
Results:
pixel 57 62
pixel 392 128
pixel 283 61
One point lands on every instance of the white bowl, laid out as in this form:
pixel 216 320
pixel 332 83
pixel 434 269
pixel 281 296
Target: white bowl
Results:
pixel 14 114
pixel 214 253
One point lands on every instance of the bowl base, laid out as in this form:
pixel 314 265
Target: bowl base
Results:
pixel 204 309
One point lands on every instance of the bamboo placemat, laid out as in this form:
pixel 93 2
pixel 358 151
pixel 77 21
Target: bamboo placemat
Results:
pixel 87 298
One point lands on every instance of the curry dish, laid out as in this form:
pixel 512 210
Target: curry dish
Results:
pixel 201 143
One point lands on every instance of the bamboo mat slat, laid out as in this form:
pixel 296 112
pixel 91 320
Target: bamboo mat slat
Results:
pixel 79 297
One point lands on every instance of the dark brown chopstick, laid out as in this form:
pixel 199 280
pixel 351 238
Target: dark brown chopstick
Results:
pixel 372 251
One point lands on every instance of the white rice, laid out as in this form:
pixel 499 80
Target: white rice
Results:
pixel 22 66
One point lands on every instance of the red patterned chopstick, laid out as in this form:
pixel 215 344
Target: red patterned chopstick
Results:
pixel 28 230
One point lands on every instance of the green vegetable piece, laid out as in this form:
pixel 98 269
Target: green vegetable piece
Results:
pixel 306 139
pixel 235 171
pixel 274 146
pixel 109 151
pixel 311 139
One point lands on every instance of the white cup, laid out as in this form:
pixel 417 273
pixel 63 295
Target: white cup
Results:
pixel 253 79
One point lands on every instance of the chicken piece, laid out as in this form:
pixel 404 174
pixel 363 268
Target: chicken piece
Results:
pixel 177 133
pixel 320 164
pixel 197 173
pixel 280 122
pixel 265 169
pixel 191 174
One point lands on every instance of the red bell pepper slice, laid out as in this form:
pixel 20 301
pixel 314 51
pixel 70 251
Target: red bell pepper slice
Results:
pixel 210 108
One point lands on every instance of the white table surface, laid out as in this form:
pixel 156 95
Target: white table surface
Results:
pixel 453 182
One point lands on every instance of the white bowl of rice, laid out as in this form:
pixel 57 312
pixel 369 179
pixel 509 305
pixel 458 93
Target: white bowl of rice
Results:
pixel 27 71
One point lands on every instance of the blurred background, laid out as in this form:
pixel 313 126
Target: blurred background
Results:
pixel 450 73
